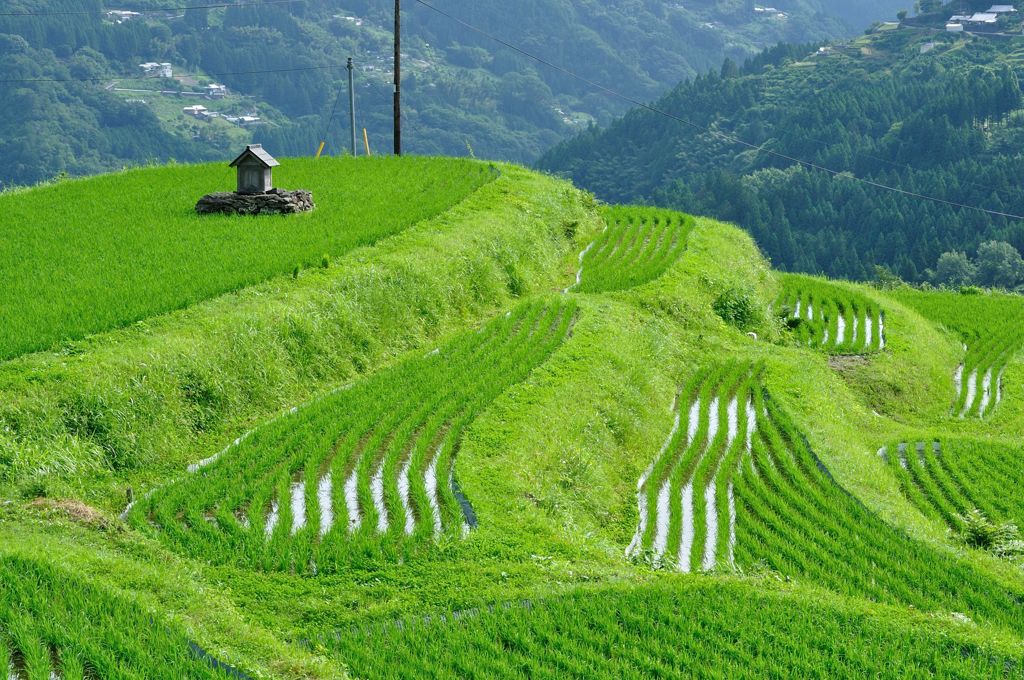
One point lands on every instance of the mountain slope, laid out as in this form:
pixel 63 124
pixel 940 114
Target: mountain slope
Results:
pixel 925 112
pixel 464 93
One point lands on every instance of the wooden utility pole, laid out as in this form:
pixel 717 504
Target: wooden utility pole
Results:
pixel 398 77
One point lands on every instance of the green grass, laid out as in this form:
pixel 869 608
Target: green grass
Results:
pixel 672 629
pixel 831 316
pixel 90 255
pixel 366 473
pixel 638 245
pixel 991 327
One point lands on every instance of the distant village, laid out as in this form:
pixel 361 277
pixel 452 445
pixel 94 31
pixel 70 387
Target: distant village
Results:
pixel 212 91
pixel 989 20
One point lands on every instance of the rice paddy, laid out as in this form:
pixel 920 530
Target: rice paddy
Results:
pixel 671 629
pixel 365 472
pixel 831 316
pixel 638 246
pixel 946 480
pixel 735 486
pixel 91 255
pixel 53 626
pixel 991 327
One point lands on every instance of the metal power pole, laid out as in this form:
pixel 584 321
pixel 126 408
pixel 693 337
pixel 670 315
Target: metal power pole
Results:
pixel 352 106
pixel 398 77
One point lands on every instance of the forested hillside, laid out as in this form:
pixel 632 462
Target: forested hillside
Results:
pixel 917 109
pixel 465 95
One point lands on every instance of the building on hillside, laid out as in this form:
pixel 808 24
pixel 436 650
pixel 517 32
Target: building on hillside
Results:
pixel 153 69
pixel 1001 9
pixel 984 18
pixel 954 27
pixel 121 16
pixel 216 91
pixel 197 111
pixel 255 170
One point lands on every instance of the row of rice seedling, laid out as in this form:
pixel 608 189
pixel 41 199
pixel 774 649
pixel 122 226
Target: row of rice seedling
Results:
pixel 364 473
pixel 991 327
pixel 686 498
pixel 947 480
pixel 666 629
pixel 55 626
pixel 793 518
pixel 100 253
pixel 826 315
pixel 638 246
pixel 736 485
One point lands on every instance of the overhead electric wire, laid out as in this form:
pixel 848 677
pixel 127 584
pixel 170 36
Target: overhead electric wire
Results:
pixel 150 10
pixel 717 133
pixel 186 75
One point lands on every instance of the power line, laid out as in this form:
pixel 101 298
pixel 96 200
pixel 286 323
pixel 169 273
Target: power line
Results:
pixel 717 133
pixel 151 10
pixel 186 75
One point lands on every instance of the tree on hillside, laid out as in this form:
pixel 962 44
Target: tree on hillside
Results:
pixel 954 269
pixel 999 265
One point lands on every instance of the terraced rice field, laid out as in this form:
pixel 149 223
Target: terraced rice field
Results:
pixel 367 471
pixel 101 253
pixel 736 486
pixel 947 479
pixel 638 246
pixel 671 629
pixel 56 627
pixel 991 327
pixel 686 497
pixel 830 316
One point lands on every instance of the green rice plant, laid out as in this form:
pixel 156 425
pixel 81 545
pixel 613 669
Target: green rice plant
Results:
pixel 736 485
pixel 686 498
pixel 991 327
pixel 363 474
pixel 638 245
pixel 830 316
pixel 90 255
pixel 670 628
pixel 793 518
pixel 55 625
pixel 955 480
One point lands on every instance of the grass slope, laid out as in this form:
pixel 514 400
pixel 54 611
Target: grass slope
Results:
pixel 808 552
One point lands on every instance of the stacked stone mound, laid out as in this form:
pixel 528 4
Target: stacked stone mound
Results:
pixel 274 202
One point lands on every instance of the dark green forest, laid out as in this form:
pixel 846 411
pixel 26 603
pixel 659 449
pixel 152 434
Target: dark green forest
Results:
pixel 464 94
pixel 923 111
